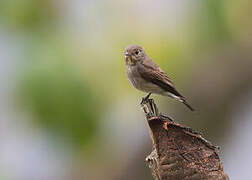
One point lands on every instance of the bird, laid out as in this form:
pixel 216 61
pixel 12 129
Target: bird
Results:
pixel 145 75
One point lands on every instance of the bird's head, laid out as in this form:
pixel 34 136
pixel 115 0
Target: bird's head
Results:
pixel 133 54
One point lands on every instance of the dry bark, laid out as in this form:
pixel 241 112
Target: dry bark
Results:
pixel 179 153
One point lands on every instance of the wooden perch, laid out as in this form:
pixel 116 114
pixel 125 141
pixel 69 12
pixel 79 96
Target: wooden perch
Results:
pixel 179 152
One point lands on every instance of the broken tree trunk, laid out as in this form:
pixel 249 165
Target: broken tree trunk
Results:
pixel 179 152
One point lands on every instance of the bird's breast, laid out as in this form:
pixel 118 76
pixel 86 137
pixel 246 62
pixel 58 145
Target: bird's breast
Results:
pixel 133 76
pixel 140 83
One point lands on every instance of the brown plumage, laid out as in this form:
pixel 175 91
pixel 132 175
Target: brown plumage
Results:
pixel 145 75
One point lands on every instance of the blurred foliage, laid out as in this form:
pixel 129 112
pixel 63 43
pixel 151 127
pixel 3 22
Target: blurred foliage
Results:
pixel 61 100
pixel 238 15
pixel 26 14
pixel 211 27
pixel 216 21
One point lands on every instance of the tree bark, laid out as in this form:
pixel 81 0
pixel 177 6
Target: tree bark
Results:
pixel 179 153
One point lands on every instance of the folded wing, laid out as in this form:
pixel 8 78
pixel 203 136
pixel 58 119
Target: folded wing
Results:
pixel 152 73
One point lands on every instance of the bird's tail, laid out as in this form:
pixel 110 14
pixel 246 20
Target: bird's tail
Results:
pixel 188 105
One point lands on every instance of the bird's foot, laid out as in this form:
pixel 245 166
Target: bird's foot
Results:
pixel 165 117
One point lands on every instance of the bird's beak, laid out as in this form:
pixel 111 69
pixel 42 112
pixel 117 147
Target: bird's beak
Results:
pixel 126 54
pixel 127 58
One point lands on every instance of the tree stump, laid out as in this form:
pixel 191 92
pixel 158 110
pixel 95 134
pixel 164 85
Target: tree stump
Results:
pixel 179 153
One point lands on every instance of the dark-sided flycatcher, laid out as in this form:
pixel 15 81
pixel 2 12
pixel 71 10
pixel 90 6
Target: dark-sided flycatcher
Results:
pixel 145 75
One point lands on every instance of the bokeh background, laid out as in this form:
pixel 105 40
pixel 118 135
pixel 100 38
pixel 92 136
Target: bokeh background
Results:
pixel 67 110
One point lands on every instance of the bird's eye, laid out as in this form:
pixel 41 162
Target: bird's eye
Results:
pixel 137 52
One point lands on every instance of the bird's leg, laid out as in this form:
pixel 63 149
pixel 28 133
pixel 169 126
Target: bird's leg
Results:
pixel 154 108
pixel 145 98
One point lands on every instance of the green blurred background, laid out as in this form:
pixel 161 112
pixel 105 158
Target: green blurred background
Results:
pixel 67 110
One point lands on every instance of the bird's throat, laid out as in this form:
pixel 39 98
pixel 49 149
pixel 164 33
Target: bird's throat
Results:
pixel 129 61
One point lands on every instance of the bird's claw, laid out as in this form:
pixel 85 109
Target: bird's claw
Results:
pixel 166 117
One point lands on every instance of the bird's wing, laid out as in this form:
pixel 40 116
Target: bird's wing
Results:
pixel 153 73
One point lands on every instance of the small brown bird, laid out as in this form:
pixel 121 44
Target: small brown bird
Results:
pixel 145 75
